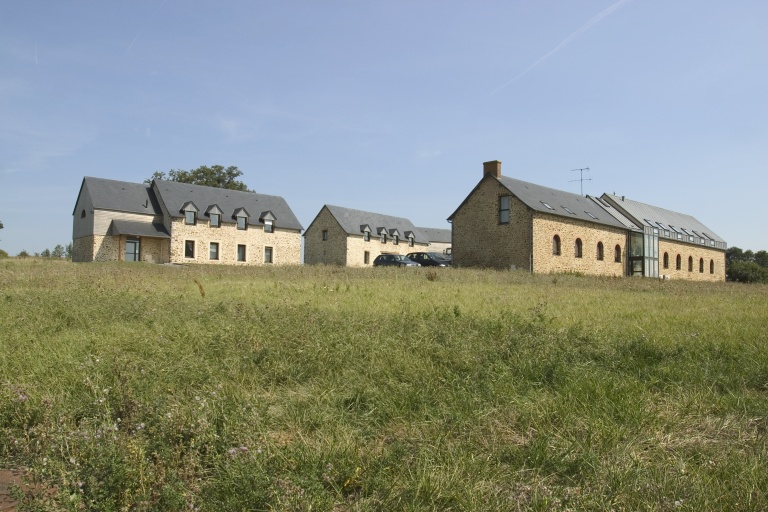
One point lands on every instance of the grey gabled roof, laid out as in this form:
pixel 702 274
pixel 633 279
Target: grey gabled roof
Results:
pixel 641 213
pixel 174 195
pixel 564 204
pixel 134 228
pixel 120 196
pixel 351 221
pixel 437 235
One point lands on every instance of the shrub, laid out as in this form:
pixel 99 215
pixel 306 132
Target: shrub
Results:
pixel 3 254
pixel 747 272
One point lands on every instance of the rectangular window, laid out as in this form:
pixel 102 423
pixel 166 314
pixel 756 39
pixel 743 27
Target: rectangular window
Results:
pixel 213 252
pixel 190 217
pixel 383 238
pixel 410 242
pixel 267 255
pixel 395 240
pixel 504 210
pixel 242 223
pixel 215 220
pixel 240 252
pixel 367 236
pixel 366 257
pixel 268 228
pixel 189 248
pixel 325 235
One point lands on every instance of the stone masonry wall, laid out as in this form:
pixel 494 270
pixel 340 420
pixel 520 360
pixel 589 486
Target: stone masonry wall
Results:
pixel 697 252
pixel 357 246
pixel 82 249
pixel 332 251
pixel 545 227
pixel 478 238
pixel 285 243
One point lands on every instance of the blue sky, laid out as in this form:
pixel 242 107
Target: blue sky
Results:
pixel 388 106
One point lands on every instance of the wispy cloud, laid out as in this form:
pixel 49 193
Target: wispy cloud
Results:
pixel 565 42
pixel 143 27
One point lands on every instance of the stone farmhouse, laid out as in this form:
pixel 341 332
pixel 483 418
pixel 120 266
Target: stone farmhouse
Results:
pixel 509 223
pixel 439 239
pixel 347 237
pixel 171 222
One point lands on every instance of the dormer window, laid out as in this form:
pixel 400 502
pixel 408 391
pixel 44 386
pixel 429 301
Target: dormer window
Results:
pixel 241 217
pixel 215 220
pixel 383 237
pixel 367 236
pixel 410 241
pixel 395 240
pixel 269 221
pixel 190 213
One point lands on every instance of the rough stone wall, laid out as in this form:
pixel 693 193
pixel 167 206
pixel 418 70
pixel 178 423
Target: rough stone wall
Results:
pixel 437 247
pixel 285 243
pixel 356 247
pixel 673 248
pixel 106 248
pixel 328 252
pixel 82 249
pixel 478 238
pixel 545 227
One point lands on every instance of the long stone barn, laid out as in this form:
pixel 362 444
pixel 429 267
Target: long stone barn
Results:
pixel 507 223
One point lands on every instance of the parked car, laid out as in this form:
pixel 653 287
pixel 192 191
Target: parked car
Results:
pixel 429 259
pixel 394 260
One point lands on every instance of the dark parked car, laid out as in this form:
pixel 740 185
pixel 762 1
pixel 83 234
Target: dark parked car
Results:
pixel 393 260
pixel 429 259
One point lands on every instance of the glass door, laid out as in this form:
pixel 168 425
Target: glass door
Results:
pixel 132 249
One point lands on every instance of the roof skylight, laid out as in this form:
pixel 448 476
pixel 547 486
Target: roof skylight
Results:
pixel 545 204
pixel 566 209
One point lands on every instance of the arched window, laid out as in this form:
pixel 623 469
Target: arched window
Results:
pixel 82 214
pixel 600 253
pixel 556 245
pixel 577 248
pixel 690 263
pixel 701 265
pixel 617 254
pixel 666 260
pixel 678 263
pixel 711 266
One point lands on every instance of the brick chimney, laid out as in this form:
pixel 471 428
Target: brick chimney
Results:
pixel 493 168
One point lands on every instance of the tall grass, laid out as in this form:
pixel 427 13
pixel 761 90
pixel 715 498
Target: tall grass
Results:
pixel 164 388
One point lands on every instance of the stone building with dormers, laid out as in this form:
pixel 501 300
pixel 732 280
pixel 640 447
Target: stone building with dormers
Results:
pixel 171 222
pixel 347 237
pixel 439 239
pixel 513 224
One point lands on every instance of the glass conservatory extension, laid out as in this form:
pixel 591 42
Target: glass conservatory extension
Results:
pixel 643 252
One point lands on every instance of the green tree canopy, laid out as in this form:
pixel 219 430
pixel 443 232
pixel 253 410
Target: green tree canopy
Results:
pixel 214 176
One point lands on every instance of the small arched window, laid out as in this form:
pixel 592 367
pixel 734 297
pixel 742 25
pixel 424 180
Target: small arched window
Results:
pixel 577 248
pixel 690 263
pixel 556 245
pixel 666 260
pixel 701 265
pixel 617 254
pixel 600 252
pixel 678 263
pixel 711 266
pixel 82 214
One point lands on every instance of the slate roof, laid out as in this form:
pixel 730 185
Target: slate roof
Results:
pixel 350 220
pixel 562 204
pixel 437 235
pixel 133 228
pixel 174 195
pixel 641 213
pixel 120 196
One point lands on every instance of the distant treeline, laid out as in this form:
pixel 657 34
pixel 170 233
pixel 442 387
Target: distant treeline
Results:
pixel 746 266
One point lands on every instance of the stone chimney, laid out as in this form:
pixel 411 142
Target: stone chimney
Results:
pixel 493 168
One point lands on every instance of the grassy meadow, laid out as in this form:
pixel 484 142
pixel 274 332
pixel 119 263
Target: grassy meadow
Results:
pixel 141 387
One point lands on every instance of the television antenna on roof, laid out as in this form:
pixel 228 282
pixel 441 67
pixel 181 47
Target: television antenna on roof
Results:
pixel 581 179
